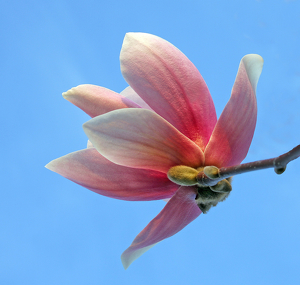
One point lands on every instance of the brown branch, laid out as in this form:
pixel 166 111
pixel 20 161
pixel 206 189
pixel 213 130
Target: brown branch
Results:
pixel 211 175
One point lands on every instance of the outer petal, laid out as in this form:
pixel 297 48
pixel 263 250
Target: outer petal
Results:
pixel 178 213
pixel 142 139
pixel 234 130
pixel 168 81
pixel 133 96
pixel 96 100
pixel 90 169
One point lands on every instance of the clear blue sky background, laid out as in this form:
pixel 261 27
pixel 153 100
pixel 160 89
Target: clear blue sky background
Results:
pixel 56 232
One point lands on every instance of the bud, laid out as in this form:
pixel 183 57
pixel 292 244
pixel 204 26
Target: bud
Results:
pixel 280 170
pixel 223 186
pixel 211 172
pixel 183 175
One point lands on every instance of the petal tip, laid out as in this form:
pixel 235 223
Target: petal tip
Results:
pixel 54 164
pixel 131 254
pixel 50 165
pixel 132 34
pixel 129 34
pixel 66 95
pixel 86 125
pixel 253 60
pixel 127 37
pixel 125 262
pixel 86 128
pixel 89 129
pixel 253 64
pixel 127 42
pixel 74 91
pixel 130 37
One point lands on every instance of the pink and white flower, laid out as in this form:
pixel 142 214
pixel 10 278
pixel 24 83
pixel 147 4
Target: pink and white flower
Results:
pixel 164 119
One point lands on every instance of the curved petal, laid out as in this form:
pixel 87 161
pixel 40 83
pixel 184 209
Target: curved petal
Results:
pixel 96 100
pixel 140 138
pixel 232 136
pixel 169 82
pixel 90 169
pixel 134 97
pixel 178 213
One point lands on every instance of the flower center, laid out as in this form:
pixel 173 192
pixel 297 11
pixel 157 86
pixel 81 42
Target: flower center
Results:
pixel 207 196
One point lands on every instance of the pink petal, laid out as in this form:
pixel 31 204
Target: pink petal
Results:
pixel 178 213
pixel 90 169
pixel 232 136
pixel 140 138
pixel 168 81
pixel 96 100
pixel 134 97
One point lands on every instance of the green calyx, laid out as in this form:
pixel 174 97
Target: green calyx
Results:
pixel 207 196
pixel 183 175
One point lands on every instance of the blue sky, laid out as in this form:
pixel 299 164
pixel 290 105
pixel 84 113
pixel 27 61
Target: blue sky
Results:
pixel 56 232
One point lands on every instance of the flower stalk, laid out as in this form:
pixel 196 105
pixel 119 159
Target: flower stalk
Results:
pixel 211 175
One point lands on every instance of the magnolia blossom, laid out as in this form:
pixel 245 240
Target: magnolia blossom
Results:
pixel 164 126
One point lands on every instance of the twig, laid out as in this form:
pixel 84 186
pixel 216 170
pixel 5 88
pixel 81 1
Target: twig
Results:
pixel 210 176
